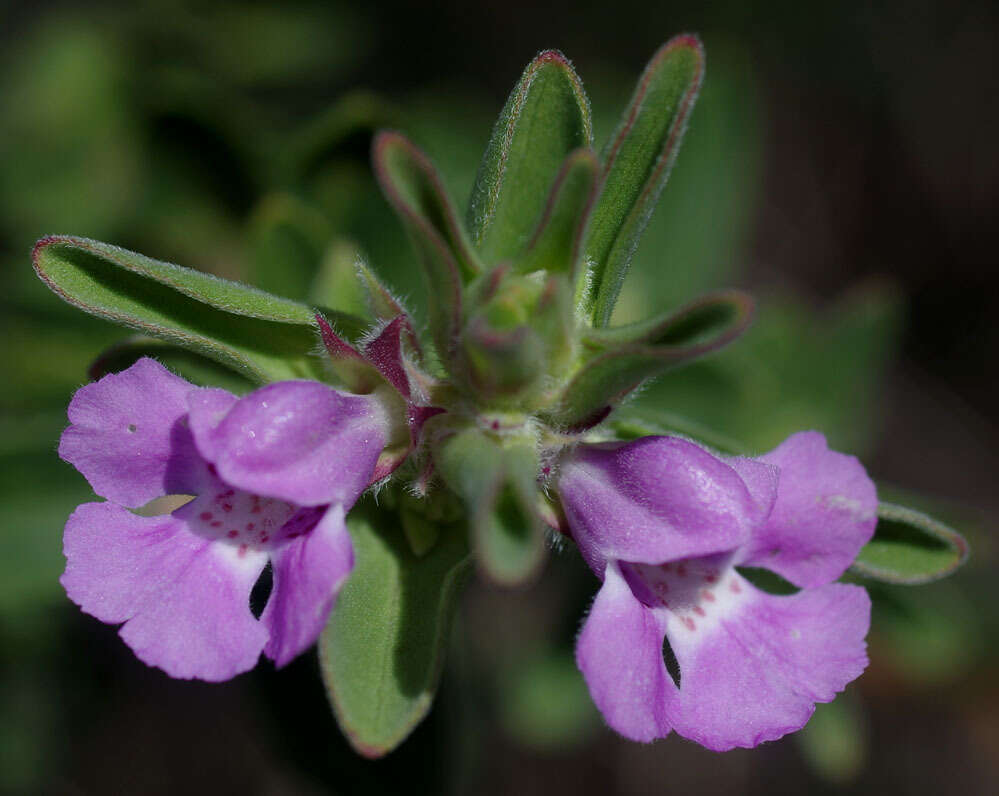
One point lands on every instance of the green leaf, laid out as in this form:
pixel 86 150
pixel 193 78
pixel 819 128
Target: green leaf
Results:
pixel 546 117
pixel 697 233
pixel 835 741
pixel 382 650
pixel 384 305
pixel 335 132
pixel 796 369
pixel 497 481
pixel 192 366
pixel 261 336
pixel 412 186
pixel 346 284
pixel 338 284
pixel 421 533
pixel 621 359
pixel 500 364
pixel 557 242
pixel 637 163
pixel 713 319
pixel 934 637
pixel 544 702
pixel 287 240
pixel 634 422
pixel 910 548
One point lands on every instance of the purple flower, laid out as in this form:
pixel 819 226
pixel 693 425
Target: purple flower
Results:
pixel 272 474
pixel 664 523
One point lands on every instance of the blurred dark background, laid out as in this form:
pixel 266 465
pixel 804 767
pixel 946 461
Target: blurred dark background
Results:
pixel 841 163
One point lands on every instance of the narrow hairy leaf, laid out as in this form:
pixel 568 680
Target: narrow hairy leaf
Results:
pixel 557 242
pixel 714 319
pixel 382 650
pixel 637 163
pixel 261 336
pixel 910 548
pixel 497 483
pixel 545 118
pixel 415 191
pixel 194 367
pixel 384 305
pixel 622 358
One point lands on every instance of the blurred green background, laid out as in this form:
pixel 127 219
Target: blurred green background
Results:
pixel 840 164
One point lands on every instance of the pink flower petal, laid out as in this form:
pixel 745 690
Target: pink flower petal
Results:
pixel 826 510
pixel 184 599
pixel 653 500
pixel 752 669
pixel 308 574
pixel 128 438
pixel 619 652
pixel 300 441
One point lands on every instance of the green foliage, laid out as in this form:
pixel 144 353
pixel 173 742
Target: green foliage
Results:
pixel 383 648
pixel 910 548
pixel 195 368
pixel 337 283
pixel 264 337
pixel 67 77
pixel 557 242
pixel 412 186
pixel 835 741
pixel 545 704
pixel 496 480
pixel 933 636
pixel 637 162
pixel 546 117
pixel 287 239
pixel 796 369
pixel 318 215
pixel 518 340
pixel 620 359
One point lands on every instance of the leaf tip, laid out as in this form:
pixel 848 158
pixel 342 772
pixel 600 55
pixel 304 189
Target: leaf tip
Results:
pixel 552 57
pixel 682 41
pixel 42 244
